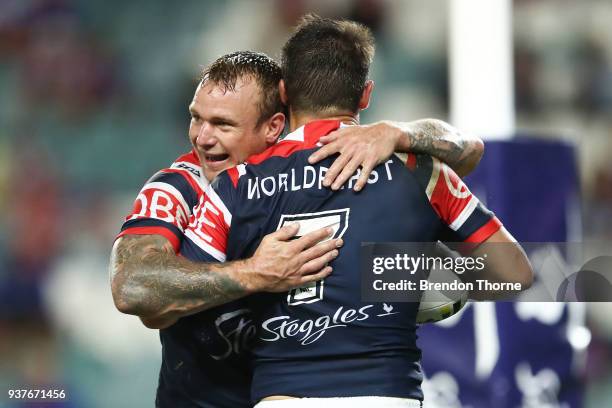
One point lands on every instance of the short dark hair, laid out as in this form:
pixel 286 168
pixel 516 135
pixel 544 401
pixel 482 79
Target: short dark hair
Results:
pixel 227 69
pixel 326 63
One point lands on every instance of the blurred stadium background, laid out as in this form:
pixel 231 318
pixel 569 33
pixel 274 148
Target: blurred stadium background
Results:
pixel 94 96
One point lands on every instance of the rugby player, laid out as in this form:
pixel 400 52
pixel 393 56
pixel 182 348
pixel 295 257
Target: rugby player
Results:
pixel 200 364
pixel 320 342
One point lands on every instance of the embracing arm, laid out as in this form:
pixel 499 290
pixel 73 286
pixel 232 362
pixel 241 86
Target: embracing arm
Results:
pixel 505 262
pixel 369 145
pixel 473 231
pixel 439 139
pixel 149 280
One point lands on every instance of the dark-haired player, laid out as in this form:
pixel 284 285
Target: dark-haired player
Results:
pixel 320 345
pixel 235 113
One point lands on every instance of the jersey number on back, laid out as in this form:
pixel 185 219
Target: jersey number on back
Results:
pixel 338 220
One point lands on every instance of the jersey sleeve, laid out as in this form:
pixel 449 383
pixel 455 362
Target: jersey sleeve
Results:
pixel 210 223
pixel 163 206
pixel 452 201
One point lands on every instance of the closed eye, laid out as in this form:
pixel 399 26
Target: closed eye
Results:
pixel 222 122
pixel 194 116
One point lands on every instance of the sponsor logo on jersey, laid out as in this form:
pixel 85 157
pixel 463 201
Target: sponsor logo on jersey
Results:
pixel 307 177
pixel 236 332
pixel 460 191
pixel 309 331
pixel 163 202
pixel 189 168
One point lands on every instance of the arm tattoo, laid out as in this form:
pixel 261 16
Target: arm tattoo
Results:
pixel 437 138
pixel 150 280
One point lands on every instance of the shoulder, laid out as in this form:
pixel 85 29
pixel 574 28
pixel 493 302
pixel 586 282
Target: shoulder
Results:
pixel 452 200
pixel 166 201
pixel 189 168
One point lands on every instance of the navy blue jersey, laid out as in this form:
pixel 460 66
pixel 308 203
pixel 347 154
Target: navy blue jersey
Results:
pixel 322 340
pixel 204 360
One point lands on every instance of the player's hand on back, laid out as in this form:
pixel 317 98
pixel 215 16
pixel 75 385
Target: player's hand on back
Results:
pixel 281 263
pixel 359 146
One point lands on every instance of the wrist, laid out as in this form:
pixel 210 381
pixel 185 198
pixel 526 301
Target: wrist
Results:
pixel 401 136
pixel 244 273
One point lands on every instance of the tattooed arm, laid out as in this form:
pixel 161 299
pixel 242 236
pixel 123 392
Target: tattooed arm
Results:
pixel 439 139
pixel 369 145
pixel 149 280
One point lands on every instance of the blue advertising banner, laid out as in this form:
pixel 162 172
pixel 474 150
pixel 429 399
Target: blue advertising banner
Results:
pixel 506 354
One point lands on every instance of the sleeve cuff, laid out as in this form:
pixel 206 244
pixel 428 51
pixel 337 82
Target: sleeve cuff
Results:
pixel 483 233
pixel 169 235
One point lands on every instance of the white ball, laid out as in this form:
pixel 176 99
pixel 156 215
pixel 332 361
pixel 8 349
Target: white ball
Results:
pixel 431 311
pixel 437 305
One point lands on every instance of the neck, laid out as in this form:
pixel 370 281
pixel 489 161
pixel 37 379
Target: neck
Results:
pixel 298 119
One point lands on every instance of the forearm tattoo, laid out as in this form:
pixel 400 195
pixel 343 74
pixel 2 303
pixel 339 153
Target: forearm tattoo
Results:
pixel 443 141
pixel 148 275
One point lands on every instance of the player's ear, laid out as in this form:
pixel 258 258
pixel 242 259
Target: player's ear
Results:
pixel 364 102
pixel 283 92
pixel 275 126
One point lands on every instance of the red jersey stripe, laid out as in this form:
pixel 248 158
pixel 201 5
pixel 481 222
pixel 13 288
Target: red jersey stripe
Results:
pixel 191 157
pixel 312 132
pixel 234 175
pixel 411 161
pixel 450 195
pixel 153 231
pixel 483 233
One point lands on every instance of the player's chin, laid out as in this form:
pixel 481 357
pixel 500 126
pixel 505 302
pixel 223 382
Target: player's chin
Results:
pixel 213 170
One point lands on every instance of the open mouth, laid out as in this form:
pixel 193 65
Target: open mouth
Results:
pixel 216 157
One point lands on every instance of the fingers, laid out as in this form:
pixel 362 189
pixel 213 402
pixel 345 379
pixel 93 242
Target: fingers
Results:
pixel 323 152
pixel 347 171
pixel 313 238
pixel 318 263
pixel 333 143
pixel 354 153
pixel 335 169
pixel 366 169
pixel 285 233
pixel 323 250
pixel 327 139
pixel 322 274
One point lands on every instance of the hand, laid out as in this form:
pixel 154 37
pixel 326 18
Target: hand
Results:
pixel 280 264
pixel 359 146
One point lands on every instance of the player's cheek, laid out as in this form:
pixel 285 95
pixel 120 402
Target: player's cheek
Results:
pixel 240 150
pixel 192 135
pixel 194 131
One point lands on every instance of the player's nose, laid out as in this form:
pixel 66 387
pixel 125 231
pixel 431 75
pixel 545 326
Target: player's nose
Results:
pixel 206 137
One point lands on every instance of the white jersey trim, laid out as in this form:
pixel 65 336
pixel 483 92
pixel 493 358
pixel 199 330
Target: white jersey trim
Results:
pixel 341 402
pixel 465 214
pixel 241 170
pixel 216 200
pixel 201 181
pixel 296 136
pixel 209 249
pixel 435 173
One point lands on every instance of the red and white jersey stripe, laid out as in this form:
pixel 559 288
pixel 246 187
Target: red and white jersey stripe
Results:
pixel 452 200
pixel 209 225
pixel 165 203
